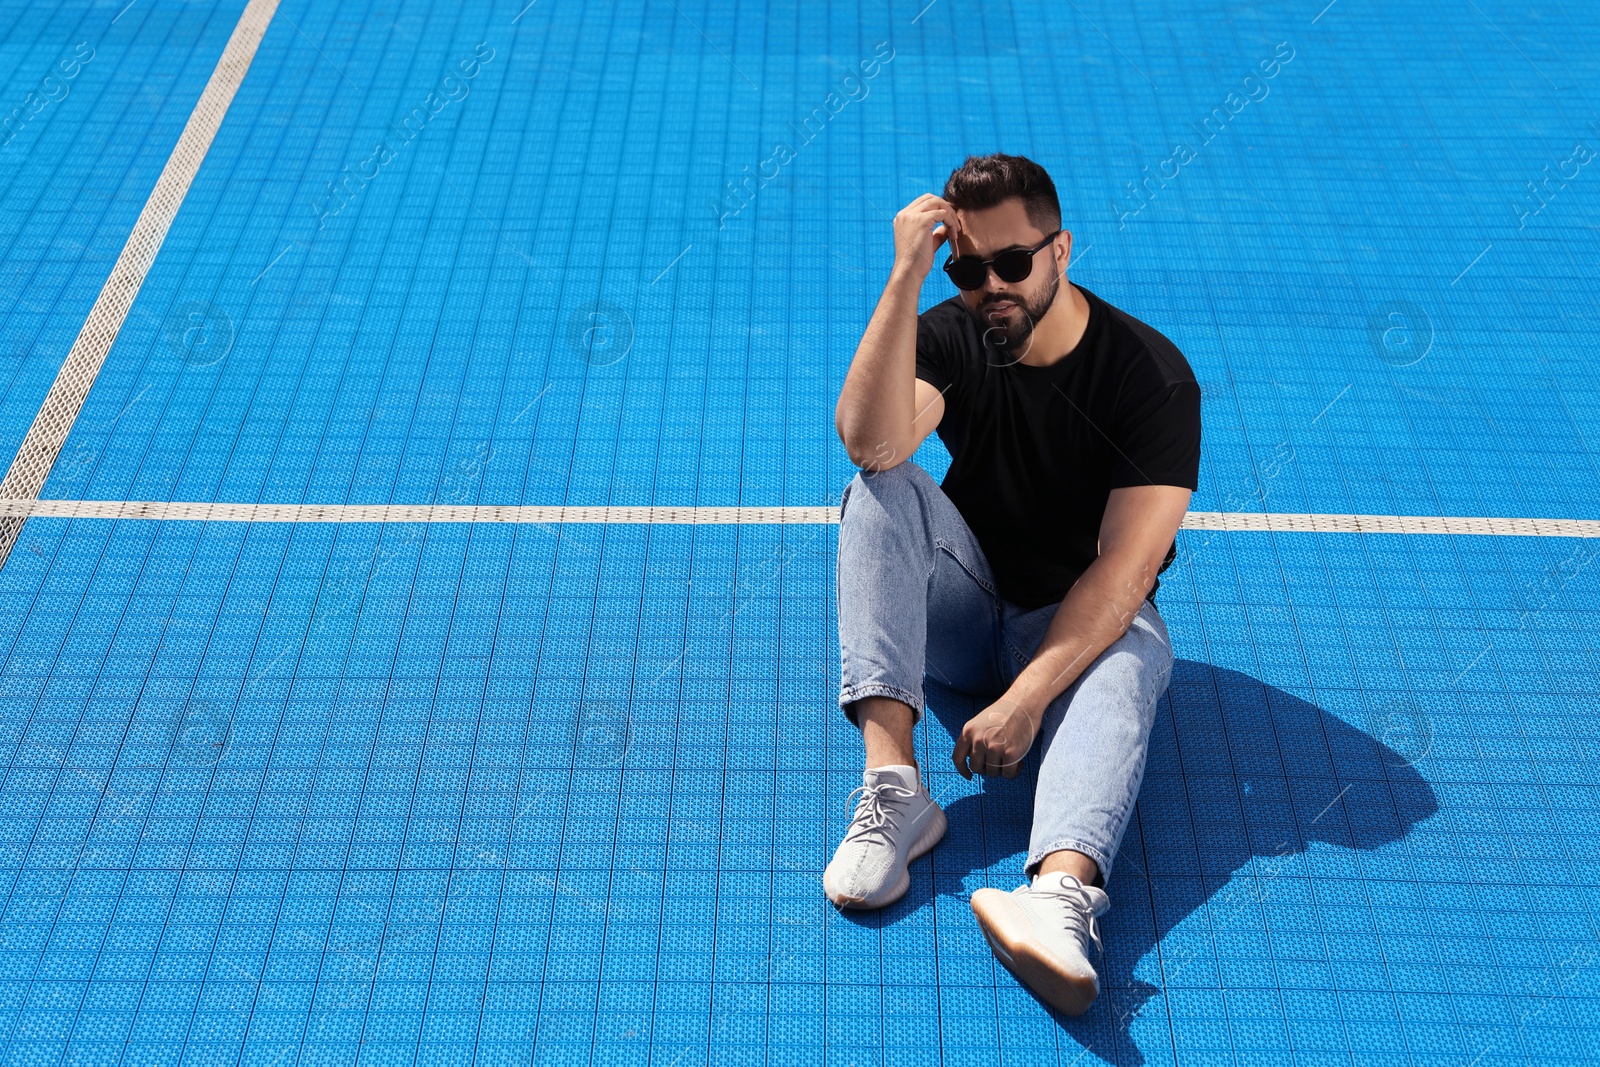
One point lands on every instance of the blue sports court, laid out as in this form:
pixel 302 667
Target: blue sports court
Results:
pixel 418 631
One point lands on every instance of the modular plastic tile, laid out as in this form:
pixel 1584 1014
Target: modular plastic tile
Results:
pixel 285 793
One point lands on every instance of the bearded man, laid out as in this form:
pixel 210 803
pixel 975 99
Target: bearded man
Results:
pixel 1028 577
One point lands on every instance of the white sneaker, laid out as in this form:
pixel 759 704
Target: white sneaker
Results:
pixel 1042 934
pixel 893 824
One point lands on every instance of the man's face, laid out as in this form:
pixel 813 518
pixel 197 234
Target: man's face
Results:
pixel 1007 311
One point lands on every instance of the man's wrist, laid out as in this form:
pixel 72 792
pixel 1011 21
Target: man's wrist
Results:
pixel 906 274
pixel 1026 703
pixel 1049 675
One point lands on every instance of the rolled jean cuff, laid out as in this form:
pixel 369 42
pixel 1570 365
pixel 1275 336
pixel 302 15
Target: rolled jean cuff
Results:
pixel 852 693
pixel 1037 856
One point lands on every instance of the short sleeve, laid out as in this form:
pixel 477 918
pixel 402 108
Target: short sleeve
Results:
pixel 1158 439
pixel 935 350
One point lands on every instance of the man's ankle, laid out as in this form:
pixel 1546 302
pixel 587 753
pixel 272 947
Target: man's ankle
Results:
pixel 886 730
pixel 908 772
pixel 1069 861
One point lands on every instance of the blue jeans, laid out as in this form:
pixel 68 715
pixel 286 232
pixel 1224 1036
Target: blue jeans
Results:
pixel 916 596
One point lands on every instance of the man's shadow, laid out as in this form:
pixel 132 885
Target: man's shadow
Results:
pixel 1240 775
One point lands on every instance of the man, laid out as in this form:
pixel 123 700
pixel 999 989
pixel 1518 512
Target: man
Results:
pixel 1027 578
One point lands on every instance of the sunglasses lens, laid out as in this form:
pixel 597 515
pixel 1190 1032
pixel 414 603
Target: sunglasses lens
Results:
pixel 967 273
pixel 1013 266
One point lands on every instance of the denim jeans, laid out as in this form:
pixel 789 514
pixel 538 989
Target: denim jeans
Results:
pixel 916 597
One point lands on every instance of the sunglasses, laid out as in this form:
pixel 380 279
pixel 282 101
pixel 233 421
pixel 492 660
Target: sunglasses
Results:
pixel 1012 265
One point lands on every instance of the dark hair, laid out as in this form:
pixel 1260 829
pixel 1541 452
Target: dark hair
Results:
pixel 985 181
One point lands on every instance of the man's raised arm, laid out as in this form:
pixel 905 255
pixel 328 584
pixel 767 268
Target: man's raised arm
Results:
pixel 884 410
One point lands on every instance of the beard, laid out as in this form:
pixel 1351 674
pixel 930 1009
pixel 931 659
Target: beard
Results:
pixel 1011 333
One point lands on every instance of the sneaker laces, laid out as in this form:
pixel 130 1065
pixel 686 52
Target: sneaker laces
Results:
pixel 1073 904
pixel 874 813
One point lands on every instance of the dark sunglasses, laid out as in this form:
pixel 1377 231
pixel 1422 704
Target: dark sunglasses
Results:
pixel 1012 265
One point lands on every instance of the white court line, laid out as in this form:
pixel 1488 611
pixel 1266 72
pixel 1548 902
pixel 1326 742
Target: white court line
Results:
pixel 38 451
pixel 1392 524
pixel 184 511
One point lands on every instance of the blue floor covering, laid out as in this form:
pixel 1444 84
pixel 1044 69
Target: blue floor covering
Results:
pixel 300 793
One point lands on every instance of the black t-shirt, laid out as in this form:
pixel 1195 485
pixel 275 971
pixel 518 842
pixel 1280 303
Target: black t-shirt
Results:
pixel 1035 451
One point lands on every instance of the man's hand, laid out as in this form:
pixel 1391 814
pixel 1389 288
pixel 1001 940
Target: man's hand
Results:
pixel 917 236
pixel 995 740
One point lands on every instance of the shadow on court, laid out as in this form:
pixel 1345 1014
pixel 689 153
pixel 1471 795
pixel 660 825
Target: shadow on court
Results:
pixel 1240 775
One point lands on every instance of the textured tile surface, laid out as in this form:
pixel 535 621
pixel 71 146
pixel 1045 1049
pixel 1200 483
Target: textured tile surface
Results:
pixel 279 793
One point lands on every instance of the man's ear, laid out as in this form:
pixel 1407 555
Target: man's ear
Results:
pixel 1062 247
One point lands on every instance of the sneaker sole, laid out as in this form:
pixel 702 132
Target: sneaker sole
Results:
pixel 931 835
pixel 1010 936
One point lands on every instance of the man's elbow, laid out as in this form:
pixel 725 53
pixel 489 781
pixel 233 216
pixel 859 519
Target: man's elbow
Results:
pixel 1132 577
pixel 870 455
pixel 870 451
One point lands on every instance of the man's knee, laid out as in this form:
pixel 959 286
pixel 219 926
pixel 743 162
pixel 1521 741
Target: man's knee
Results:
pixel 892 486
